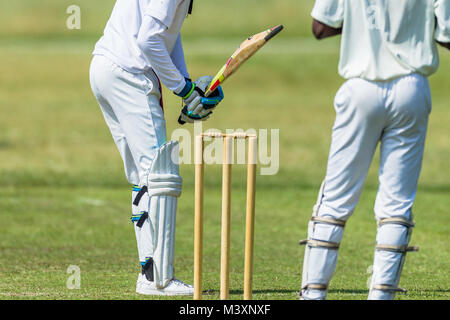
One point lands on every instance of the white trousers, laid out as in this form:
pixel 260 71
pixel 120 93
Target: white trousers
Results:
pixel 132 108
pixel 394 114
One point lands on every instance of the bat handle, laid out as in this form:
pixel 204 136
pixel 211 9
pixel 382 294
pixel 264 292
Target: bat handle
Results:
pixel 208 93
pixel 184 110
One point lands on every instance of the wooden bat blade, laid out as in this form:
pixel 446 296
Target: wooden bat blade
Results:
pixel 247 49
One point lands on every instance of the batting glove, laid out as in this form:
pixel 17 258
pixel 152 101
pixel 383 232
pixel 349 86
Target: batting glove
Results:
pixel 197 106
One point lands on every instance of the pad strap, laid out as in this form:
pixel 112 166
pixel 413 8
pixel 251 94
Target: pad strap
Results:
pixel 402 221
pixel 147 269
pixel 399 249
pixel 315 286
pixel 386 287
pixel 335 222
pixel 312 243
pixel 142 219
pixel 320 244
pixel 140 194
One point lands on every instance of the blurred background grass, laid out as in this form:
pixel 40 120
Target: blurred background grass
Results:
pixel 60 174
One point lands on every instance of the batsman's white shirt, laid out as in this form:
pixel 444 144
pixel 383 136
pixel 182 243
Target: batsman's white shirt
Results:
pixel 132 24
pixel 384 39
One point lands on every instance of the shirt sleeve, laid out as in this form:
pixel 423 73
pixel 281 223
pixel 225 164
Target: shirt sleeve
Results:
pixel 329 12
pixel 151 42
pixel 442 13
pixel 163 10
pixel 178 59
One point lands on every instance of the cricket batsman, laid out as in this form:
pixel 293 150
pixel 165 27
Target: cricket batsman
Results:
pixel 141 45
pixel 388 50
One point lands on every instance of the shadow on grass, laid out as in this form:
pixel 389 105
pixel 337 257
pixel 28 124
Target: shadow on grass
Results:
pixel 337 291
pixel 349 291
pixel 241 292
pixel 430 291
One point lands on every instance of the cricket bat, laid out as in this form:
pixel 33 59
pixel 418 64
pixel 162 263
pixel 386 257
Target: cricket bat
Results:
pixel 246 49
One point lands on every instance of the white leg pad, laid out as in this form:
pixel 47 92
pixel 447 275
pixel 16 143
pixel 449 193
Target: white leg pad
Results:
pixel 393 237
pixel 324 236
pixel 164 187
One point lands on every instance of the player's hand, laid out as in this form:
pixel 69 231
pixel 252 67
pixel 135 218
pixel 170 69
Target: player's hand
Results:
pixel 197 106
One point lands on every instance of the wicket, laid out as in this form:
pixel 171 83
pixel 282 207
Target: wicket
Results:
pixel 228 142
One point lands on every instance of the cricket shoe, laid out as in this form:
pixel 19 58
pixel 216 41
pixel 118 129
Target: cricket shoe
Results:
pixel 139 282
pixel 174 288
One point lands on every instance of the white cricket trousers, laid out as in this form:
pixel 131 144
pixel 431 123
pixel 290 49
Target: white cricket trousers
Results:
pixel 395 114
pixel 132 107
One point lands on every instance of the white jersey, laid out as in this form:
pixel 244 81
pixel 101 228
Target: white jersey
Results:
pixel 134 19
pixel 383 39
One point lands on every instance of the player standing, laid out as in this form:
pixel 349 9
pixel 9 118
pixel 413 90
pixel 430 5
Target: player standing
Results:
pixel 140 45
pixel 388 49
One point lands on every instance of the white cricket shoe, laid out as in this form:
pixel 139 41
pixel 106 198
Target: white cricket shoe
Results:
pixel 174 288
pixel 139 281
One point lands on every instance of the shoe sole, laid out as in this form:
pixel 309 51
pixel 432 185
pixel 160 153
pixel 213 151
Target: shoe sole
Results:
pixel 162 293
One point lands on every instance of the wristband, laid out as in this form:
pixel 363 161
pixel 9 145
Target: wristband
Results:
pixel 187 90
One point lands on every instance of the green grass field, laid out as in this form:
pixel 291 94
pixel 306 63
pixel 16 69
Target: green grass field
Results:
pixel 64 199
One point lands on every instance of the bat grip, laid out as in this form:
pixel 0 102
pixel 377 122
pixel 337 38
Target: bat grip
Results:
pixel 180 121
pixel 207 93
pixel 274 32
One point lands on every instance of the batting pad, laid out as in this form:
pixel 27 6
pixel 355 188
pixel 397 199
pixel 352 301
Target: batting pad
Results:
pixel 321 253
pixel 164 187
pixel 393 237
